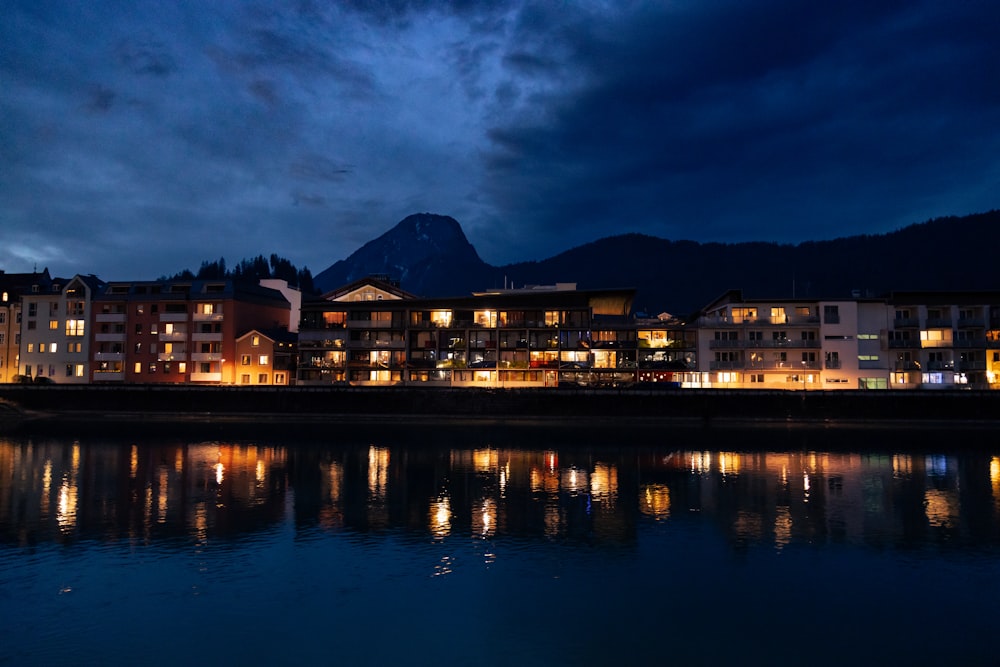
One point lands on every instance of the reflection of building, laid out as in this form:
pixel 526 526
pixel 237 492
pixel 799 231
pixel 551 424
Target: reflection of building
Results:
pixel 64 490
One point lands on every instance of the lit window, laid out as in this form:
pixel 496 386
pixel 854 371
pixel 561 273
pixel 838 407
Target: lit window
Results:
pixel 245 360
pixel 53 325
pixel 74 327
pixel 262 378
pixel 263 360
pixel 53 347
pixel 138 367
pixel 255 341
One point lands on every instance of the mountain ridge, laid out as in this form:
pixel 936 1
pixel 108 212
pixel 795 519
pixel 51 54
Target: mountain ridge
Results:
pixel 432 257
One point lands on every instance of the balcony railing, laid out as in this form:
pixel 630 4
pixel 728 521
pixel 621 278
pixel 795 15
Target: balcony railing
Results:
pixel 970 366
pixel 791 366
pixel 905 322
pixel 971 322
pixel 770 344
pixel 938 322
pixel 967 343
pixel 905 366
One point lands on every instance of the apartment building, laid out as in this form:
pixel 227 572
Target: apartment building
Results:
pixel 55 335
pixel 373 333
pixel 183 331
pixel 790 343
pixel 943 339
pixel 13 287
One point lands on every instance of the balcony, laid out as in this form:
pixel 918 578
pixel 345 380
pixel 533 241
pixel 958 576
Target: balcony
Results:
pixel 206 377
pixel 777 365
pixel 109 337
pixel 108 376
pixel 906 344
pixel 173 356
pixel 940 365
pixel 206 356
pixel 110 317
pixel 726 365
pixel 215 336
pixel 905 323
pixel 966 366
pixel 905 366
pixel 201 317
pixel 369 324
pixel 938 322
pixel 175 336
pixel 109 356
pixel 832 364
pixel 173 317
pixel 967 343
pixel 971 322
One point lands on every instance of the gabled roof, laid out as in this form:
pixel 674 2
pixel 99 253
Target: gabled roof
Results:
pixel 19 284
pixel 275 335
pixel 389 287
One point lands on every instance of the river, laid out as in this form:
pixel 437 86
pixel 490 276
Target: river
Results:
pixel 467 545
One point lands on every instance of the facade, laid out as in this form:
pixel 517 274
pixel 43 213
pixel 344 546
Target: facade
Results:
pixel 780 344
pixel 939 340
pixel 13 287
pixel 55 336
pixel 906 340
pixel 266 357
pixel 182 331
pixel 373 333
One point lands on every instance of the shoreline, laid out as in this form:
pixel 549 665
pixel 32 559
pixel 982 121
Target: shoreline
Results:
pixel 39 410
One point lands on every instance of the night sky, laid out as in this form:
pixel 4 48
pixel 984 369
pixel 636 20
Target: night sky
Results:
pixel 141 138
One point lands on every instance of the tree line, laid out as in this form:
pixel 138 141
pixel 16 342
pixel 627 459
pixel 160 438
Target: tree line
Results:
pixel 251 270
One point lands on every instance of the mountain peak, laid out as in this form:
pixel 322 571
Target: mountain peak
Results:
pixel 420 251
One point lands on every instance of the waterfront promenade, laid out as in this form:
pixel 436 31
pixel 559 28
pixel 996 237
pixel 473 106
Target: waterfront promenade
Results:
pixel 55 408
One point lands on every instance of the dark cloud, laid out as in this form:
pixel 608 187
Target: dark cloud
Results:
pixel 155 135
pixel 148 58
pixel 741 121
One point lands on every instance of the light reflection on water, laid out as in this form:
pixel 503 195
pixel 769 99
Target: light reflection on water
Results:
pixel 500 553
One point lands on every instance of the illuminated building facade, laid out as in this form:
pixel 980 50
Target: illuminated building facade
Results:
pixel 55 336
pixel 905 340
pixel 937 340
pixel 14 286
pixel 373 333
pixel 266 357
pixel 178 331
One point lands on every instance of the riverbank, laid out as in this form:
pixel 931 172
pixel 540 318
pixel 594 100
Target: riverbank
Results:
pixel 62 408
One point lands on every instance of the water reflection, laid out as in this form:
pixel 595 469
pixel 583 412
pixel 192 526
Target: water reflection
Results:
pixel 57 491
